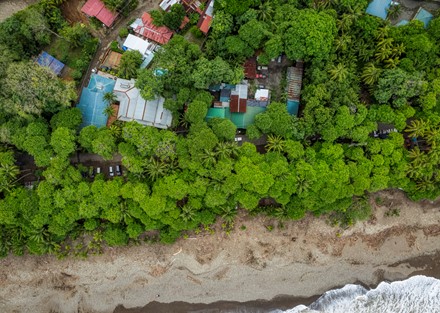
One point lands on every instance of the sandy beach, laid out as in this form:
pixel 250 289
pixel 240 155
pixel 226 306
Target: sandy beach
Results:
pixel 299 259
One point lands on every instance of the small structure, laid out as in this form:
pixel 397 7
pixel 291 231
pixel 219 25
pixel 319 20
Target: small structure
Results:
pixel 233 103
pixel 112 59
pixel 92 103
pixel 145 47
pixel 421 15
pixel 132 107
pixel 293 88
pixel 95 8
pixel 250 68
pixel 205 20
pixel 379 8
pixel 46 60
pixel 193 6
pixel 145 28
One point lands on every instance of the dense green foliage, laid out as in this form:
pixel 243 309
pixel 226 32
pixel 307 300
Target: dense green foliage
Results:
pixel 359 71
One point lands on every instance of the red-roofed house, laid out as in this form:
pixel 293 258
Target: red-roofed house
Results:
pixel 95 8
pixel 144 27
pixel 185 21
pixel 205 20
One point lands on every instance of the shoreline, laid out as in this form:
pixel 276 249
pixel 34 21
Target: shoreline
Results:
pixel 431 263
pixel 302 259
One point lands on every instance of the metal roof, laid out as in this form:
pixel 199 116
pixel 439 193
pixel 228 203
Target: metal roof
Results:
pixel 97 9
pixel 45 59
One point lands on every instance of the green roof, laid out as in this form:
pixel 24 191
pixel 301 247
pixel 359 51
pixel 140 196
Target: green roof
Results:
pixel 241 120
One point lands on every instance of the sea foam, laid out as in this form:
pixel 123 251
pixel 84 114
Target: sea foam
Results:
pixel 418 294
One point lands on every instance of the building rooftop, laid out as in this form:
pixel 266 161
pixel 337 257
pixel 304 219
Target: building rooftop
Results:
pixel 96 8
pixel 92 103
pixel 205 20
pixel 46 60
pixel 379 8
pixel 144 26
pixel 132 107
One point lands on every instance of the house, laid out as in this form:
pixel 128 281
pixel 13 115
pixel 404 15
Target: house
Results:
pixel 46 60
pixel 206 17
pixel 92 103
pixel 233 103
pixel 145 47
pixel 132 107
pixel 95 8
pixel 421 15
pixel 192 6
pixel 293 88
pixel 145 28
pixel 250 68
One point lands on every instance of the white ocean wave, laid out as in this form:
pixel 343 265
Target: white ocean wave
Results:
pixel 418 294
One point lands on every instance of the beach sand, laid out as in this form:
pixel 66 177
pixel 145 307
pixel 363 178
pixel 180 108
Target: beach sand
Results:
pixel 301 259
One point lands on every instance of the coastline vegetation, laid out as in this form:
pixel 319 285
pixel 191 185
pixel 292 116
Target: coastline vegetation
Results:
pixel 359 71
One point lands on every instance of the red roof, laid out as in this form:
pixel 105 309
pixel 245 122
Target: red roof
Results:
pixel 250 68
pixel 237 105
pixel 205 23
pixel 97 9
pixel 184 22
pixel 160 34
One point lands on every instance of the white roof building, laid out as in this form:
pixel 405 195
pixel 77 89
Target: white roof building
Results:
pixel 145 47
pixel 132 107
pixel 262 95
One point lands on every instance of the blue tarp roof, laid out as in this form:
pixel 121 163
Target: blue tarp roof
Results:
pixel 92 103
pixel 379 8
pixel 45 59
pixel 423 16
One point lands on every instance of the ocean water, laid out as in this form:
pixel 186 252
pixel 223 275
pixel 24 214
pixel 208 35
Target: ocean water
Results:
pixel 418 294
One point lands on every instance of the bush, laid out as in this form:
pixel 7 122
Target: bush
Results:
pixel 114 46
pixel 196 31
pixel 115 236
pixel 123 32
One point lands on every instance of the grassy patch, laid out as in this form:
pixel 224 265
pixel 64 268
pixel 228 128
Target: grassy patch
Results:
pixel 60 49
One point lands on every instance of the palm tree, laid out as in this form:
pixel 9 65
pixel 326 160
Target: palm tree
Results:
pixel 155 169
pixel 302 184
pixel 370 74
pixel 383 32
pixel 432 136
pixel 228 213
pixel 188 213
pixel 208 157
pixel 226 150
pixel 392 62
pixel 275 143
pixel 265 11
pixel 338 72
pixel 109 111
pixel 110 97
pixel 383 53
pixel 417 128
pixel 342 42
pixel 417 157
pixel 115 130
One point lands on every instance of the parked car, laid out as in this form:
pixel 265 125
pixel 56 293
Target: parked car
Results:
pixel 98 170
pixel 279 59
pixel 110 171
pixel 92 172
pixel 262 68
pixel 260 76
pixel 238 138
pixel 118 170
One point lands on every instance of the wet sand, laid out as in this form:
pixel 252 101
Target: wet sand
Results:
pixel 430 263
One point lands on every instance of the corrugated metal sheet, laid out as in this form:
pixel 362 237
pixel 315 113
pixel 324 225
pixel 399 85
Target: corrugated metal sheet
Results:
pixel 97 9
